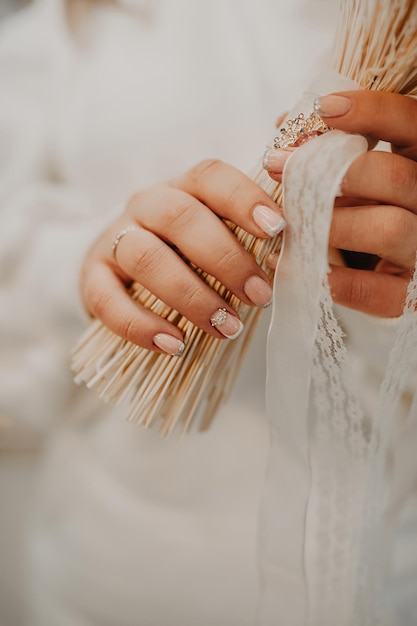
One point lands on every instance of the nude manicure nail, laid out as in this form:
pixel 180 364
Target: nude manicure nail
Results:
pixel 269 221
pixel 169 344
pixel 332 106
pixel 226 323
pixel 258 291
pixel 271 260
pixel 274 160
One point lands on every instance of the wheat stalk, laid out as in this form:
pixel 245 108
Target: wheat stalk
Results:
pixel 165 389
pixel 376 46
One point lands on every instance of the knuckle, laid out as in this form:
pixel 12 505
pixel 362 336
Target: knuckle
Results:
pixel 135 204
pixel 232 258
pixel 147 260
pixel 359 290
pixel 394 230
pixel 134 201
pixel 98 302
pixel 181 213
pixel 194 296
pixel 140 202
pixel 403 174
pixel 241 190
pixel 379 104
pixel 130 329
pixel 195 180
pixel 340 229
pixel 200 171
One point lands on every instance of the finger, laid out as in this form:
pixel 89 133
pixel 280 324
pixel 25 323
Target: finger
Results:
pixel 232 195
pixel 106 298
pixel 344 201
pixel 203 239
pixel 153 264
pixel 370 292
pixel 385 231
pixel 274 161
pixel 389 268
pixel 383 177
pixel 272 259
pixel 373 176
pixel 381 116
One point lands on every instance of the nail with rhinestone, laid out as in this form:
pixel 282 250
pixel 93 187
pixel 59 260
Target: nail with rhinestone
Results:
pixel 227 324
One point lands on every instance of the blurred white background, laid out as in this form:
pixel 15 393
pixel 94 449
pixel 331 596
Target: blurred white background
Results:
pixel 18 462
pixel 7 6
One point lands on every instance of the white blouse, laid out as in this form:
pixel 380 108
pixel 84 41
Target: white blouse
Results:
pixel 130 528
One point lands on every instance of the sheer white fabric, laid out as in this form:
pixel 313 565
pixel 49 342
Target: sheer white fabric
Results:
pixel 330 459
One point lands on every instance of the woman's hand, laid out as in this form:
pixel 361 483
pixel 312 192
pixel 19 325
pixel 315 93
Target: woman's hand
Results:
pixel 181 215
pixel 377 213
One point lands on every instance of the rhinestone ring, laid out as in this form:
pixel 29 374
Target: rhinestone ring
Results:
pixel 119 237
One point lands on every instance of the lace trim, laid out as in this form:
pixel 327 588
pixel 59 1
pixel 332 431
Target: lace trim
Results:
pixel 329 459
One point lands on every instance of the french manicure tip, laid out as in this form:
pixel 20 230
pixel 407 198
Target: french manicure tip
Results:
pixel 180 350
pixel 268 160
pixel 278 228
pixel 268 220
pixel 169 344
pixel 237 333
pixel 265 159
pixel 274 160
pixel 332 105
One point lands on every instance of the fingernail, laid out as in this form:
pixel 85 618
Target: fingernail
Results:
pixel 169 344
pixel 226 323
pixel 272 260
pixel 274 160
pixel 258 291
pixel 332 106
pixel 268 220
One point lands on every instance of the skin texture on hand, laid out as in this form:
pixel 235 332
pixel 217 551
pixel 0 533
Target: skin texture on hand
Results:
pixel 377 213
pixel 162 226
pixel 375 219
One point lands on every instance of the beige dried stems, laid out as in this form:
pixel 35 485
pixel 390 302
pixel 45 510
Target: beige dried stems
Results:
pixel 376 46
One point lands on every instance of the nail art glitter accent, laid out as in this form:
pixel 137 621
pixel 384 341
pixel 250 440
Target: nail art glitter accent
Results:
pixel 226 323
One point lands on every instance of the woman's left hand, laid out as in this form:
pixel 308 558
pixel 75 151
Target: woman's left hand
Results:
pixel 377 213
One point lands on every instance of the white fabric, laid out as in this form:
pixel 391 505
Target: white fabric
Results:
pixel 131 529
pixel 292 334
pixel 338 451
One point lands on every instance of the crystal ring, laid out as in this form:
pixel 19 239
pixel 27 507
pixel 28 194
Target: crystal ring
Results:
pixel 300 130
pixel 119 237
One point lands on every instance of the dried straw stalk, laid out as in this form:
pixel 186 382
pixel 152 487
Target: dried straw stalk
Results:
pixel 376 46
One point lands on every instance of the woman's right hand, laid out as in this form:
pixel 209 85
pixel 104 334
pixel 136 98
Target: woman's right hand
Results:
pixel 182 215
